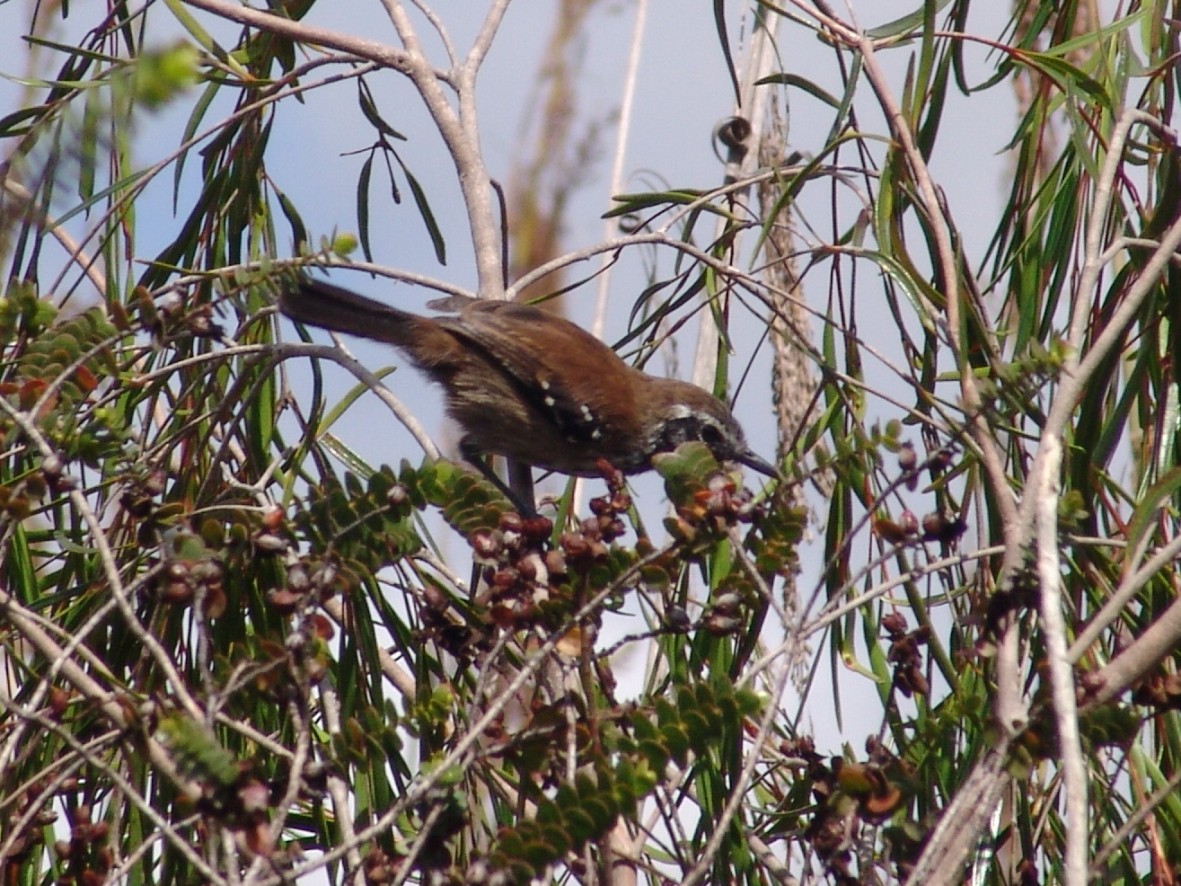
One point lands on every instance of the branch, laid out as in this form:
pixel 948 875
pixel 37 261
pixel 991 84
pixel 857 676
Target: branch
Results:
pixel 370 50
pixel 458 131
pixel 1156 643
pixel 1062 687
pixel 1129 587
pixel 340 355
pixel 961 823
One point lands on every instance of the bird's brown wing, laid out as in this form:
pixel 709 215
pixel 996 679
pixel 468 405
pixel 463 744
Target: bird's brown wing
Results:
pixel 564 372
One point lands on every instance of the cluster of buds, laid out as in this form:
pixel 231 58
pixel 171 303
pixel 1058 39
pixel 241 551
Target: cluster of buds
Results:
pixel 589 542
pixel 170 317
pixel 139 497
pixel 1159 690
pixel 516 568
pixel 183 579
pixel 85 857
pixel 305 585
pixel 725 614
pixel 520 566
pixel 191 570
pixel 848 793
pixel 906 655
pixel 378 867
pixel 937 526
pixel 713 508
pixel 22 845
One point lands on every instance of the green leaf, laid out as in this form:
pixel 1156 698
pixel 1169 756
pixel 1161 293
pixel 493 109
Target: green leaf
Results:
pixel 369 109
pixel 428 216
pixel 906 24
pixel 363 207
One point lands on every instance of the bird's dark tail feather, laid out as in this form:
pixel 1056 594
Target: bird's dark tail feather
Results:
pixel 328 306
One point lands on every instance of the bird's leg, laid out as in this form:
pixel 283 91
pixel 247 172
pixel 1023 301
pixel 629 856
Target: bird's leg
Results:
pixel 476 460
pixel 520 481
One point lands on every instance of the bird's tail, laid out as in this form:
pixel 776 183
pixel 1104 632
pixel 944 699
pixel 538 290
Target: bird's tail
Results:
pixel 328 306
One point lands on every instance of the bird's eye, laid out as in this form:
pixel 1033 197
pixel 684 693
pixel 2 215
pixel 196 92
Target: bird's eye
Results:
pixel 712 436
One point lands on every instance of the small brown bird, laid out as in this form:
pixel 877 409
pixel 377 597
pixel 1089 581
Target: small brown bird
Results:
pixel 531 386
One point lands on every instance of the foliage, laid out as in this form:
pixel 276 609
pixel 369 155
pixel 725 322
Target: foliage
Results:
pixel 227 660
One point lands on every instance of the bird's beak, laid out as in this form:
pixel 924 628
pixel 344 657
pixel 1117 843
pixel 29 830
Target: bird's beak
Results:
pixel 751 460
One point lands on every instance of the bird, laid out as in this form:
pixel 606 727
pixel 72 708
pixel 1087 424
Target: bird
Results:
pixel 529 385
